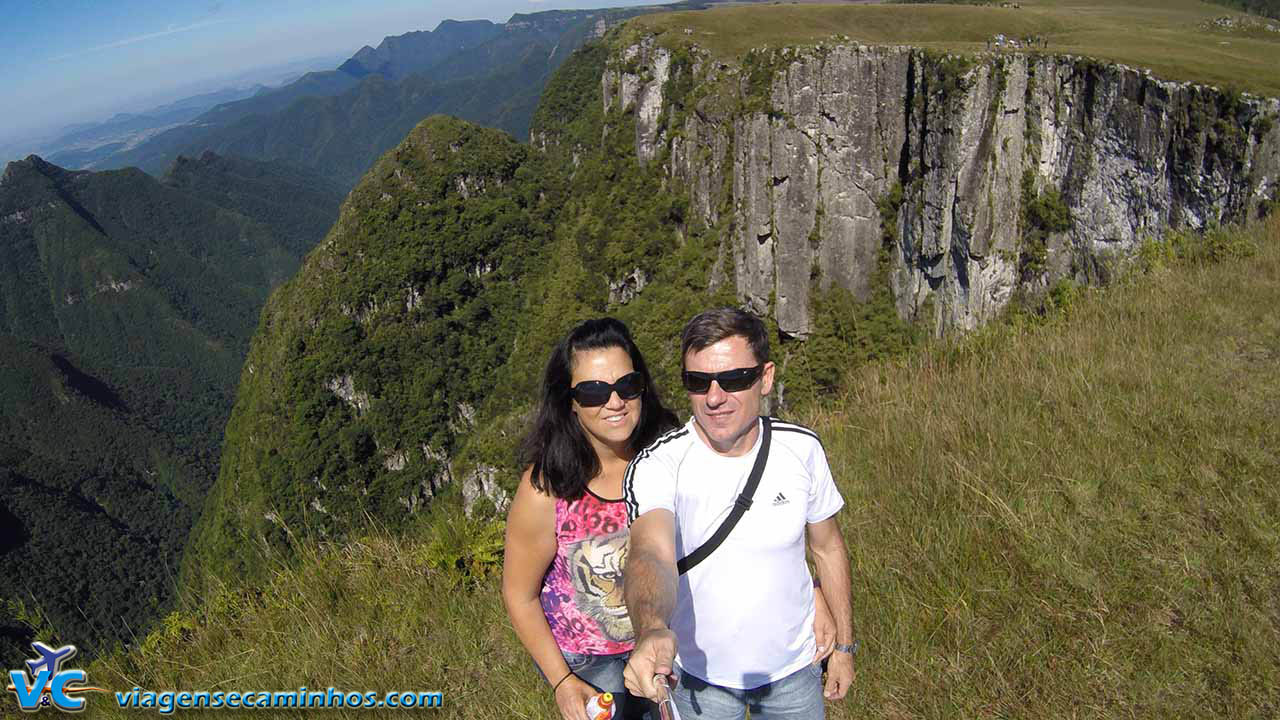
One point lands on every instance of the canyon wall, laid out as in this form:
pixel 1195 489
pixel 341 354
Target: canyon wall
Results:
pixel 860 165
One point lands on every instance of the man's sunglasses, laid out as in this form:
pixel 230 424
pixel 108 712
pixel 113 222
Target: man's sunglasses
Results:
pixel 594 393
pixel 734 380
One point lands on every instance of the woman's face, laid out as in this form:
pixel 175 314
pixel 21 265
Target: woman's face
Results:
pixel 611 424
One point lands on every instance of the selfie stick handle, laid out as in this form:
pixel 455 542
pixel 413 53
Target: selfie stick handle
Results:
pixel 666 706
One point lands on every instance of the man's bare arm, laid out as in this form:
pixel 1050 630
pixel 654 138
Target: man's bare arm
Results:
pixel 650 575
pixel 649 586
pixel 831 561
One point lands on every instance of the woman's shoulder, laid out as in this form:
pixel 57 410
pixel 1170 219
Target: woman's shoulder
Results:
pixel 529 497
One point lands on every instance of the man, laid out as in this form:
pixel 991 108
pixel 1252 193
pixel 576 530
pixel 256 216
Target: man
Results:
pixel 739 625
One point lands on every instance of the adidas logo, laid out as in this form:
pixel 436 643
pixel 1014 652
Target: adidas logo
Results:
pixel 780 500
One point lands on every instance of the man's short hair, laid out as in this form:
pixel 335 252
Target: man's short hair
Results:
pixel 710 327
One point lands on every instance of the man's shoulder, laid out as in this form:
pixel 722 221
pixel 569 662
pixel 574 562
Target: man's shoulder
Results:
pixel 799 442
pixel 795 434
pixel 671 443
pixel 657 466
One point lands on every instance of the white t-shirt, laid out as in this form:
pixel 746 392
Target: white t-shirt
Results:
pixel 744 616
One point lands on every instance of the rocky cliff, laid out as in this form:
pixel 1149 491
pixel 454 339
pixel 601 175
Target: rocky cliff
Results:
pixel 980 177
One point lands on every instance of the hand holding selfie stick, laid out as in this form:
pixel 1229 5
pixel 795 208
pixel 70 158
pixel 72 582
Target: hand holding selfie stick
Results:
pixel 666 706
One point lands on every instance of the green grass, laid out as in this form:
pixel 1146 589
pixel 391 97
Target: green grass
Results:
pixel 1061 516
pixel 382 613
pixel 1167 36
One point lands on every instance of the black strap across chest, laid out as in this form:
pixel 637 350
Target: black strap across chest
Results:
pixel 740 506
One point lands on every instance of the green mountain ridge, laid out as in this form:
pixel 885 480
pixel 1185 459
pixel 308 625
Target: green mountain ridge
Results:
pixel 284 198
pixel 399 56
pixel 126 306
pixel 396 57
pixel 411 275
pixel 341 136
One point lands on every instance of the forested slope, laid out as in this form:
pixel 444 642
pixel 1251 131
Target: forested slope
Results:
pixel 126 305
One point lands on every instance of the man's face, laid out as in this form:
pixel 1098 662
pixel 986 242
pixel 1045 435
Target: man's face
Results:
pixel 727 421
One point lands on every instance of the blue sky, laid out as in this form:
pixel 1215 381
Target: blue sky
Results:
pixel 64 61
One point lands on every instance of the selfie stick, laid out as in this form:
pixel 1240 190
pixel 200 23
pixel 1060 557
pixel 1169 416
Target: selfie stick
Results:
pixel 666 706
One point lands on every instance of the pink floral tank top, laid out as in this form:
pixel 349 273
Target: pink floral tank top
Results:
pixel 582 591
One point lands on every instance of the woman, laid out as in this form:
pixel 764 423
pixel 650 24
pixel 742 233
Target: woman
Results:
pixel 567 527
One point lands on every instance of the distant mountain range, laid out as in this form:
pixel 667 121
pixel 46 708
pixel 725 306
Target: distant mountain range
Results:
pixel 82 144
pixel 85 144
pixel 126 305
pixel 338 122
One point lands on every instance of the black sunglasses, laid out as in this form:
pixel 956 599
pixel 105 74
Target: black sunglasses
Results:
pixel 594 393
pixel 734 380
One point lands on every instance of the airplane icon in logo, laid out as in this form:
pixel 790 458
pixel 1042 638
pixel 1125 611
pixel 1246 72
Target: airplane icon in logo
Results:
pixel 49 683
pixel 49 658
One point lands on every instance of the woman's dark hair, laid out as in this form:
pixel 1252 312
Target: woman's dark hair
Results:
pixel 563 459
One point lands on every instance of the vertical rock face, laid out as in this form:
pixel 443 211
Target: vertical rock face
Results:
pixel 959 229
pixel 639 89
pixel 807 150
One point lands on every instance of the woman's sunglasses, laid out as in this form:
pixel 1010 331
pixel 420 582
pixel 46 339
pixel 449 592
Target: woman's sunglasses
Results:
pixel 734 380
pixel 594 393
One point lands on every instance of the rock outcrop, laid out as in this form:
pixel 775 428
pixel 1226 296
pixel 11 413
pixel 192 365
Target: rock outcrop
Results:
pixel 816 150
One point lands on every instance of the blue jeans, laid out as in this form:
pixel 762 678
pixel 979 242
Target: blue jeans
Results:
pixel 797 696
pixel 604 673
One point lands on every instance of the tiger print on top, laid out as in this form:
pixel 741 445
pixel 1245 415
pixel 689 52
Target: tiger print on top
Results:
pixel 582 591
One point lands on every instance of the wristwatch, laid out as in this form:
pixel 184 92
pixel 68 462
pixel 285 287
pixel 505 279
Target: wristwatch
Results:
pixel 851 648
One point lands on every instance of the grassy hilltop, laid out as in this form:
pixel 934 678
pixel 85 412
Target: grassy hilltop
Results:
pixel 1069 517
pixel 1174 38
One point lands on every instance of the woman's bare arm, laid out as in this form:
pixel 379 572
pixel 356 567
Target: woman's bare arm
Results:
pixel 530 549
